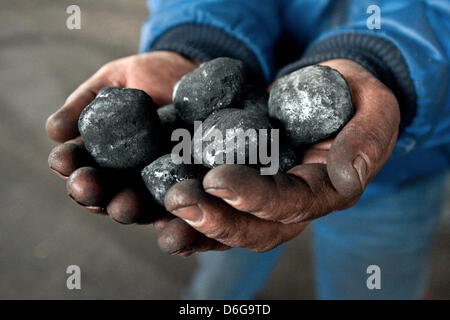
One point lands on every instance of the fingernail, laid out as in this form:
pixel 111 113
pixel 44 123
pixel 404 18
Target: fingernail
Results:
pixel 59 174
pixel 191 214
pixel 226 194
pixel 93 209
pixel 186 254
pixel 97 210
pixel 177 252
pixel 361 168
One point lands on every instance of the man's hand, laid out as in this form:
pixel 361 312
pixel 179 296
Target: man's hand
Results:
pixel 124 198
pixel 238 207
pixel 155 73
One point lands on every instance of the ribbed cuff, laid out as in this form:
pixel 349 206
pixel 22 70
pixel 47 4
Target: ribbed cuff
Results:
pixel 204 43
pixel 377 55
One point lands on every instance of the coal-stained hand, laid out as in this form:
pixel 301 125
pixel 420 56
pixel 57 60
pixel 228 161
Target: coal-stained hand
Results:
pixel 238 207
pixel 124 198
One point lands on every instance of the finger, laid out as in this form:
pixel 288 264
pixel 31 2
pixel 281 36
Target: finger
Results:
pixel 217 220
pixel 127 206
pixel 90 187
pixel 67 157
pixel 305 193
pixel 63 124
pixel 161 223
pixel 78 141
pixel 134 204
pixel 324 145
pixel 318 152
pixel 365 143
pixel 177 237
pixel 314 155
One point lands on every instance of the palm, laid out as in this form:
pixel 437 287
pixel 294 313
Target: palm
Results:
pixel 145 72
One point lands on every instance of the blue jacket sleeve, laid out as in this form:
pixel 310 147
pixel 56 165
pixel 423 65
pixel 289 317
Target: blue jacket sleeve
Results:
pixel 410 54
pixel 206 29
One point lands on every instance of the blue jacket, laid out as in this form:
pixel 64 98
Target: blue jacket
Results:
pixel 410 54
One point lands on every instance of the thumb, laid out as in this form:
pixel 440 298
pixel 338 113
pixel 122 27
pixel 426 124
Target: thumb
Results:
pixel 63 124
pixel 366 142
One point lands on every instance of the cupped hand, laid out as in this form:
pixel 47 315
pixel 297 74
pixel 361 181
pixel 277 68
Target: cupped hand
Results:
pixel 238 207
pixel 123 197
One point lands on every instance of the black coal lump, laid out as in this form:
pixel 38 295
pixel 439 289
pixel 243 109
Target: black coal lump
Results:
pixel 162 174
pixel 168 115
pixel 311 104
pixel 120 129
pixel 170 120
pixel 211 153
pixel 214 85
pixel 288 158
pixel 255 99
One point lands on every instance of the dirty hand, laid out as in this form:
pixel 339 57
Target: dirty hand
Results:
pixel 125 199
pixel 238 207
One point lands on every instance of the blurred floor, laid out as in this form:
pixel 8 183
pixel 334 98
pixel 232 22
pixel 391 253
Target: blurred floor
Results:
pixel 41 231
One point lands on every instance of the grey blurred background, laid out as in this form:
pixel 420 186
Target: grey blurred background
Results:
pixel 41 230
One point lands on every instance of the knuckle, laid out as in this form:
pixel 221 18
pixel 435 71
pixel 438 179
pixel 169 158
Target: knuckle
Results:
pixel 106 68
pixel 133 64
pixel 219 231
pixel 275 209
pixel 296 211
pixel 287 203
pixel 229 230
pixel 300 213
pixel 295 217
pixel 296 208
pixel 376 141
